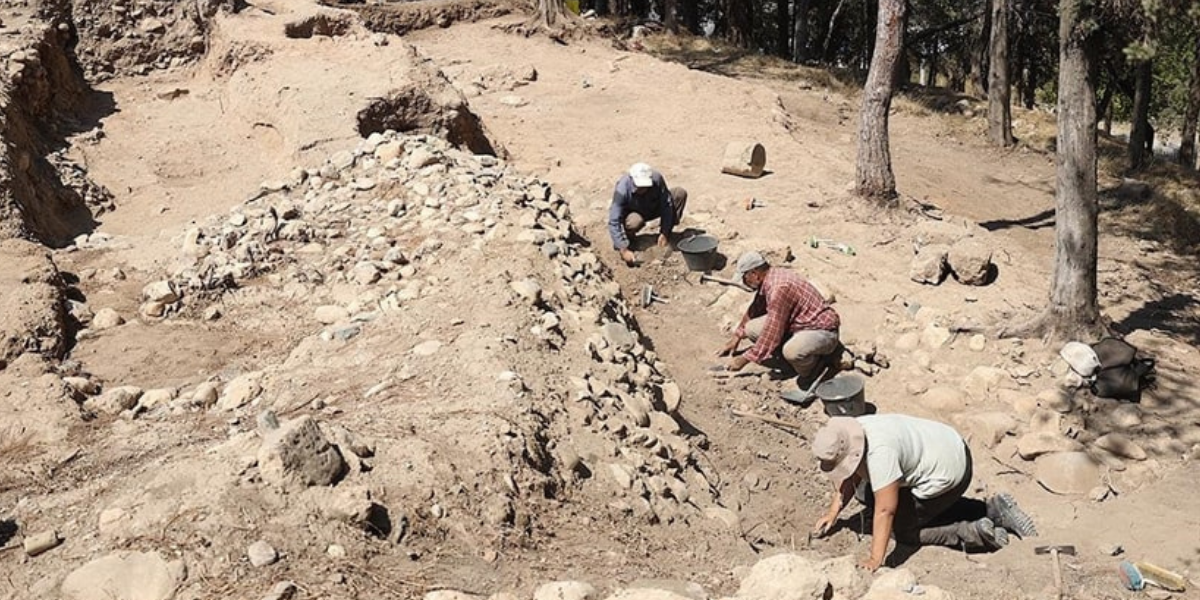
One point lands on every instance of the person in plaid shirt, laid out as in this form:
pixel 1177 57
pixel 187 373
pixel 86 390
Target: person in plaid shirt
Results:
pixel 788 315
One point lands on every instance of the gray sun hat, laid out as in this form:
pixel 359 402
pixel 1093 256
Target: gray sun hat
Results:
pixel 749 261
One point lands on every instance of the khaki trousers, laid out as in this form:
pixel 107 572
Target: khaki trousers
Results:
pixel 803 350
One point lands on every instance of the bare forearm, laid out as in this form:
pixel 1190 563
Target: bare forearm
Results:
pixel 881 533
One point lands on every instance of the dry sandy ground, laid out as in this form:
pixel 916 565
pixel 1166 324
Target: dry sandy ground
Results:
pixel 591 112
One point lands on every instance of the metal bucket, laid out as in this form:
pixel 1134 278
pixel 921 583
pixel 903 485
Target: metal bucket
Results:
pixel 699 252
pixel 843 396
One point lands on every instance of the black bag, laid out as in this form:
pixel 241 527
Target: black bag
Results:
pixel 1122 374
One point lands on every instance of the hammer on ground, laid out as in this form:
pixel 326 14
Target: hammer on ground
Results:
pixel 649 297
pixel 737 284
pixel 1054 551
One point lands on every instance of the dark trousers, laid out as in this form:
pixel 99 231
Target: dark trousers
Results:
pixel 635 221
pixel 947 519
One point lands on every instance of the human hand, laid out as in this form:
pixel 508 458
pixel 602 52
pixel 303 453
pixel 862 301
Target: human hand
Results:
pixel 730 347
pixel 871 564
pixel 628 256
pixel 662 240
pixel 824 524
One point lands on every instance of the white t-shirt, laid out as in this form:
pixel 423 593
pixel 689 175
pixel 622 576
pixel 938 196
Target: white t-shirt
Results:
pixel 926 456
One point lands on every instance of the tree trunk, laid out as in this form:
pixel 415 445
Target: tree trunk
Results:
pixel 740 27
pixel 837 10
pixel 800 31
pixel 873 169
pixel 671 15
pixel 999 88
pixel 1074 312
pixel 1140 136
pixel 1187 146
pixel 784 25
pixel 691 16
pixel 551 12
pixel 977 84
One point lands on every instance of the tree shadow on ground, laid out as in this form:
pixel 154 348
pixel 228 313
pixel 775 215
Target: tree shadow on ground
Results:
pixel 1041 220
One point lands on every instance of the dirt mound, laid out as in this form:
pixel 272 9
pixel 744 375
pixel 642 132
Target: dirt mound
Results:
pixel 399 18
pixel 44 195
pixel 32 315
pixel 119 38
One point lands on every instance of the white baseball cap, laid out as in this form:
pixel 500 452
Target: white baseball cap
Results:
pixel 641 173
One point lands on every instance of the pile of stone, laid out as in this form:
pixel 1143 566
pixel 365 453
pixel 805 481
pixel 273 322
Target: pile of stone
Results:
pixel 968 260
pixel 789 576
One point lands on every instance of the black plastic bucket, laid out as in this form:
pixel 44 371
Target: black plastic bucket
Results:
pixel 843 396
pixel 699 252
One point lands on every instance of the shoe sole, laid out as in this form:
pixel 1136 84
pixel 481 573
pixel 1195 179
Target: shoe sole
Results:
pixel 993 534
pixel 1010 516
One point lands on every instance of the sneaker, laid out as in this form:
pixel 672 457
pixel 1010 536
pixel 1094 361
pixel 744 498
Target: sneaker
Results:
pixel 1003 511
pixel 993 537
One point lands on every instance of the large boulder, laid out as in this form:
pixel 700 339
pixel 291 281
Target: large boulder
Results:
pixel 971 261
pixel 124 576
pixel 784 577
pixel 1039 443
pixel 929 265
pixel 1067 472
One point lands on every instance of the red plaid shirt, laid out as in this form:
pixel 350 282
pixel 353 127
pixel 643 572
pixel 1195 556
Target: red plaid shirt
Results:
pixel 791 304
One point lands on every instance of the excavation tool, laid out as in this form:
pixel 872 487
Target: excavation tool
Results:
pixel 1137 575
pixel 765 419
pixel 752 203
pixel 1054 551
pixel 737 284
pixel 816 242
pixel 649 297
pixel 804 397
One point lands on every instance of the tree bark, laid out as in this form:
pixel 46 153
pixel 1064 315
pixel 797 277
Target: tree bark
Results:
pixel 1187 146
pixel 783 23
pixel 873 170
pixel 1140 137
pixel 740 27
pixel 999 87
pixel 837 10
pixel 1074 312
pixel 550 12
pixel 691 16
pixel 977 84
pixel 671 15
pixel 800 31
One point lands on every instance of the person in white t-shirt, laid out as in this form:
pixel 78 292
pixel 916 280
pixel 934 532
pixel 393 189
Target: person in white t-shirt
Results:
pixel 912 472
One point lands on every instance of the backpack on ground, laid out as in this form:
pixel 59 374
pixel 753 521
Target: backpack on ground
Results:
pixel 1111 368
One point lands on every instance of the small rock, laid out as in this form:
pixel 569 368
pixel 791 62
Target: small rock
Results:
pixel 1058 400
pixel 527 289
pixel 160 291
pixel 944 399
pixel 1121 446
pixel 618 336
pixel 935 336
pixel 566 590
pixel 82 385
pixel 388 151
pixel 978 343
pixel 154 398
pixel 929 265
pixel 671 396
pixel 336 551
pixel 152 26
pixel 724 515
pixel 513 101
pixel 106 318
pixel 622 474
pixel 1111 549
pixel 982 381
pixel 987 428
pixel 116 400
pixel 261 554
pixel 908 342
pixel 298 455
pixel 420 158
pixel 427 348
pixel 970 261
pixel 241 391
pixel 206 393
pixel 330 314
pixel 41 542
pixel 212 313
pixel 284 590
pixel 1067 472
pixel 1033 445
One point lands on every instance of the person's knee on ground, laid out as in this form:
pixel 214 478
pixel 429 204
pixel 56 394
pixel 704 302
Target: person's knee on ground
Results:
pixel 634 222
pixel 679 197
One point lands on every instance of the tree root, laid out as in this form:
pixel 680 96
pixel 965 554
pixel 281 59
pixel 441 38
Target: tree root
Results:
pixel 1053 328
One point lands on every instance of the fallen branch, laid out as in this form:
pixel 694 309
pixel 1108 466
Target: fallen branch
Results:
pixel 771 420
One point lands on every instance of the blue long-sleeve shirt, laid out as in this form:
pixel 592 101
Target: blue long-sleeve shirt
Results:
pixel 654 203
